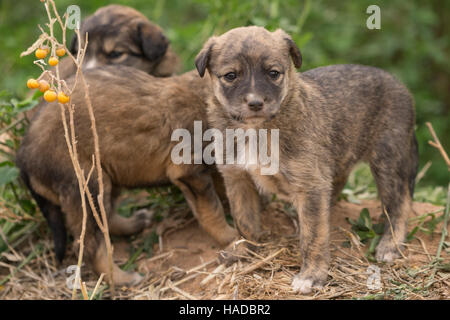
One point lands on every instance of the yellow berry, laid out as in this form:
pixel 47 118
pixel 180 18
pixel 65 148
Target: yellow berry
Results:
pixel 50 95
pixel 63 98
pixel 32 84
pixel 41 53
pixel 43 86
pixel 53 61
pixel 60 52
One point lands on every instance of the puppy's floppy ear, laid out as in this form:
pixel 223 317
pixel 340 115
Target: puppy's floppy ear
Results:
pixel 294 51
pixel 202 59
pixel 153 42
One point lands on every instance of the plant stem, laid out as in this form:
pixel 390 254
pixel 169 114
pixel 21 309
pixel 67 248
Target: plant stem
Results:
pixel 444 226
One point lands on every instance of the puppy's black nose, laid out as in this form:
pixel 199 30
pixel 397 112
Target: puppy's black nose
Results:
pixel 255 104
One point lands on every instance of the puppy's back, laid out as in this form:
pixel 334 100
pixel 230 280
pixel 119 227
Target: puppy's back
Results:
pixel 135 113
pixel 358 101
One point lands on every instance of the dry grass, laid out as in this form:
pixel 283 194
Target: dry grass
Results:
pixel 263 272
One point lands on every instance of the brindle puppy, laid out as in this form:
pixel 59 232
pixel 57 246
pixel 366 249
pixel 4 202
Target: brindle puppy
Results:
pixel 134 124
pixel 329 119
pixel 122 35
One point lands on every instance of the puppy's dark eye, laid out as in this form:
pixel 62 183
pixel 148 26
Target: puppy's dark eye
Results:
pixel 274 74
pixel 115 54
pixel 230 76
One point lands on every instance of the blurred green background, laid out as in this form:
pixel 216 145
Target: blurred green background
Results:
pixel 413 43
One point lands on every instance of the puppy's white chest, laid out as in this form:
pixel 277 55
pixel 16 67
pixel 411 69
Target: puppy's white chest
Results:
pixel 247 157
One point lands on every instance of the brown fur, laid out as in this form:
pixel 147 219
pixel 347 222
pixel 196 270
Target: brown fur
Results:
pixel 329 119
pixel 135 115
pixel 122 35
pixel 117 29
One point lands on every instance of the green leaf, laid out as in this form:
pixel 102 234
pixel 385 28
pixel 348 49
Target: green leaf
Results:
pixel 27 105
pixel 431 225
pixel 7 163
pixel 28 206
pixel 149 242
pixel 365 235
pixel 351 221
pixel 410 236
pixel 378 228
pixel 364 219
pixel 374 243
pixel 8 174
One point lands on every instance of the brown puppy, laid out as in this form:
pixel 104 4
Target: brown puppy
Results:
pixel 329 119
pixel 122 35
pixel 134 124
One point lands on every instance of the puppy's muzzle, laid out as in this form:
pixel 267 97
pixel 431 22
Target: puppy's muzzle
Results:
pixel 255 105
pixel 254 102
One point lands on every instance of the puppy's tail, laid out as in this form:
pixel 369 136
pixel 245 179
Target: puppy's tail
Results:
pixel 54 217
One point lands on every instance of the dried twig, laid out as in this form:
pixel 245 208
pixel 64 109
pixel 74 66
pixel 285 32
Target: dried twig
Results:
pixel 213 274
pixel 423 171
pixel 69 131
pixel 261 262
pixel 97 285
pixel 437 144
pixel 182 292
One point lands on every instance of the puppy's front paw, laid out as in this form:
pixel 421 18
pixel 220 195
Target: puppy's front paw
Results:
pixel 387 250
pixel 304 282
pixel 227 236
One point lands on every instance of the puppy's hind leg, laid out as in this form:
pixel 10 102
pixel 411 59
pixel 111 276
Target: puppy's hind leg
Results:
pixel 55 220
pixel 94 243
pixel 120 277
pixel 394 169
pixel 52 214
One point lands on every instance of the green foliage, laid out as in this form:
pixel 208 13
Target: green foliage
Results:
pixel 159 200
pixel 426 223
pixel 360 185
pixel 367 231
pixel 8 173
pixel 15 201
pixel 146 246
pixel 436 195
